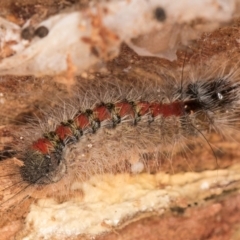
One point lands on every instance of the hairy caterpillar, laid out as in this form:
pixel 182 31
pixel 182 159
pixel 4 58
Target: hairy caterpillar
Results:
pixel 113 126
pixel 189 110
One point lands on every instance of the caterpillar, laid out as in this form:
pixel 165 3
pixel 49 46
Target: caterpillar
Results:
pixel 192 110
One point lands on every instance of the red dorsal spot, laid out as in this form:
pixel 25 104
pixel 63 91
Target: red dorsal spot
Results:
pixel 63 131
pixel 142 108
pixel 167 110
pixel 42 145
pixel 82 121
pixel 124 109
pixel 101 113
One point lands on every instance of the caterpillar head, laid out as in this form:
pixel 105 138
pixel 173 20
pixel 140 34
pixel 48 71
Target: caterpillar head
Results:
pixel 42 168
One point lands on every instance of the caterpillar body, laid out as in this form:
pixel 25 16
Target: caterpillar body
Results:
pixel 186 111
